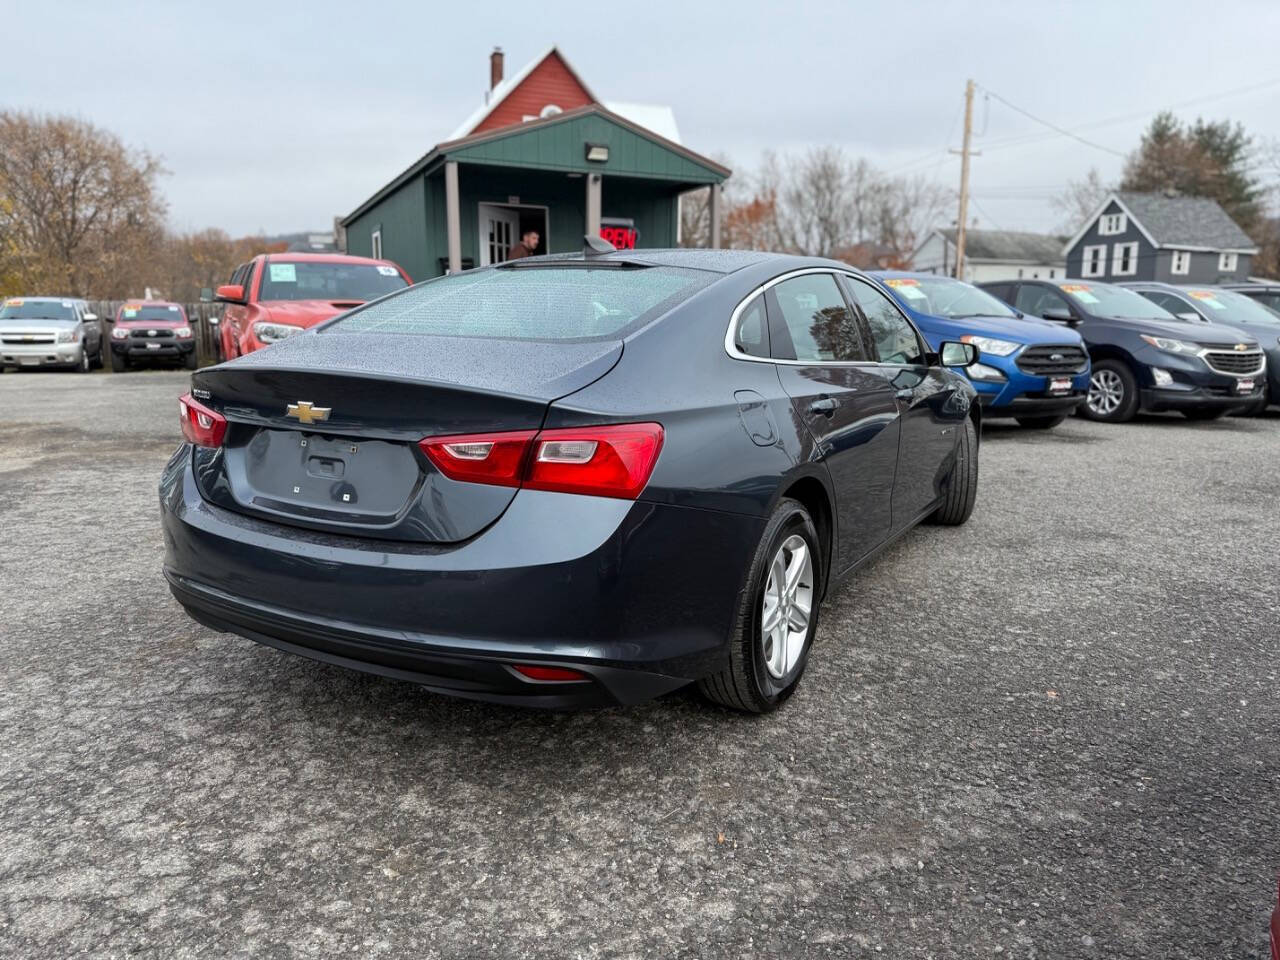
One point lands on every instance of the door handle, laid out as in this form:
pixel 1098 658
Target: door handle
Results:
pixel 826 406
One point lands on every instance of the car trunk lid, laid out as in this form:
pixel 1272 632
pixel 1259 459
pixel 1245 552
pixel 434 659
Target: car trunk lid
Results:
pixel 323 429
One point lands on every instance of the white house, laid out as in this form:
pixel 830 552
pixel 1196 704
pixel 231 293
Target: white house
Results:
pixel 992 255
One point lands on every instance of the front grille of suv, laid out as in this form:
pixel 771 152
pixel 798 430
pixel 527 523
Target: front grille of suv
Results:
pixel 1042 361
pixel 1234 362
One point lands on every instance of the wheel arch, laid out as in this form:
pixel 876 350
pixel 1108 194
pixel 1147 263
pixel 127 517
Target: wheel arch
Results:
pixel 814 492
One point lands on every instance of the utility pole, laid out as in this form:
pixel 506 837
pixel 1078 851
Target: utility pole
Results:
pixel 964 178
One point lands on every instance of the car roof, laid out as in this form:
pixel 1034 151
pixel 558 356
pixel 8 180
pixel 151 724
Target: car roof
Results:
pixel 319 258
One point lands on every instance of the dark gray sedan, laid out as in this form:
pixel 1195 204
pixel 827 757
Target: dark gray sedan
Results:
pixel 569 480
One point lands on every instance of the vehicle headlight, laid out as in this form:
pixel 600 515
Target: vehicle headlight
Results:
pixel 182 333
pixel 68 336
pixel 980 371
pixel 271 332
pixel 1170 345
pixel 119 333
pixel 997 348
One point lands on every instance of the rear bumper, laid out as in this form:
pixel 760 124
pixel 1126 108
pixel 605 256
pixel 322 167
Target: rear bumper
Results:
pixel 41 354
pixel 640 597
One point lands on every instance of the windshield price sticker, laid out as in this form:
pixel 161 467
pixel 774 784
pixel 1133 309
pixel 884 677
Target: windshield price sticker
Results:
pixel 1080 291
pixel 389 271
pixel 1207 296
pixel 13 303
pixel 908 287
pixel 130 311
pixel 283 273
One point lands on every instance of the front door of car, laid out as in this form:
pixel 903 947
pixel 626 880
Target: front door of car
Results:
pixel 821 351
pixel 927 407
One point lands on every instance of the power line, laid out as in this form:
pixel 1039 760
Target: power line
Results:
pixel 1052 126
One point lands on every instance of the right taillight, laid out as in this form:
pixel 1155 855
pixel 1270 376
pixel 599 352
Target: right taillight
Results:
pixel 200 425
pixel 615 460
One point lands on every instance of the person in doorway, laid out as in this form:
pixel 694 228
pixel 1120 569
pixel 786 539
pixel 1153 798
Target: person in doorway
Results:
pixel 527 246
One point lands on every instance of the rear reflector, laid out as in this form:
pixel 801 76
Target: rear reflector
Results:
pixel 200 425
pixel 555 674
pixel 605 461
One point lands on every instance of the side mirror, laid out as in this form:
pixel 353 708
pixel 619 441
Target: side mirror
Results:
pixel 230 293
pixel 90 318
pixel 953 353
pixel 206 294
pixel 1058 314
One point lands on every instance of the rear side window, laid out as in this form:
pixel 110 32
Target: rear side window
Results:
pixel 895 338
pixel 819 321
pixel 751 335
pixel 530 303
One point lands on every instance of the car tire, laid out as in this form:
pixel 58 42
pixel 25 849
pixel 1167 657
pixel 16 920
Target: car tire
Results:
pixel 1204 414
pixel 97 358
pixel 119 364
pixel 85 364
pixel 1113 393
pixel 763 671
pixel 1040 423
pixel 962 488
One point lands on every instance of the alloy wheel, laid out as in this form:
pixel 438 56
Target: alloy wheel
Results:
pixel 1106 392
pixel 787 606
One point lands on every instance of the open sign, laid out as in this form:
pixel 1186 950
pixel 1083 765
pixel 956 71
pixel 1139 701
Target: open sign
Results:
pixel 619 231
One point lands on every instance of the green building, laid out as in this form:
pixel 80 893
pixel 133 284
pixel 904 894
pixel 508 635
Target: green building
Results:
pixel 564 174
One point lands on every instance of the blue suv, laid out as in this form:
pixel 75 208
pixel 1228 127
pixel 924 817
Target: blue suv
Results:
pixel 1030 369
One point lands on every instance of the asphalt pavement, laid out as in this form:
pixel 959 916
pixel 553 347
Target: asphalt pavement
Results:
pixel 1053 732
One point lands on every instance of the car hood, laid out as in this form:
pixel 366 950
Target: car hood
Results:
pixel 37 325
pixel 1208 334
pixel 305 313
pixel 1029 329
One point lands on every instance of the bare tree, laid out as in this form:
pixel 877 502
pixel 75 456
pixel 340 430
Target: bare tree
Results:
pixel 79 213
pixel 1080 199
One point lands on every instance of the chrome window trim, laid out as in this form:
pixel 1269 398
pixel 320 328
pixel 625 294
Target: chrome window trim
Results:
pixel 731 348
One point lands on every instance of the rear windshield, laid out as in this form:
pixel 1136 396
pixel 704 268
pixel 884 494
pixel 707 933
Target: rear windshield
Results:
pixel 167 314
pixel 1115 303
pixel 940 297
pixel 18 309
pixel 532 303
pixel 328 281
pixel 1227 306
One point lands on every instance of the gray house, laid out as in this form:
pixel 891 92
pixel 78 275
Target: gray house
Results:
pixel 1155 236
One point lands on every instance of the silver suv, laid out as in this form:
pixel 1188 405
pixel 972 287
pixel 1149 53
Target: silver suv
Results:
pixel 49 332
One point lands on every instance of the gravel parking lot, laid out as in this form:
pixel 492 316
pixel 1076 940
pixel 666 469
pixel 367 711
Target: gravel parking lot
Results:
pixel 1050 733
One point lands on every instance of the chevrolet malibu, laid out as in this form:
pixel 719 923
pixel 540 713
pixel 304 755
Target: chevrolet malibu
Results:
pixel 570 480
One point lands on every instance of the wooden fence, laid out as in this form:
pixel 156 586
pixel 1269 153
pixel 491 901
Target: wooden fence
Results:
pixel 198 314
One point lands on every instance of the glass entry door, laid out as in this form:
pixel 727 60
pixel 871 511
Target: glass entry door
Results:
pixel 499 230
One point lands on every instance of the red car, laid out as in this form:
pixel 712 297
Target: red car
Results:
pixel 276 295
pixel 145 331
pixel 1275 933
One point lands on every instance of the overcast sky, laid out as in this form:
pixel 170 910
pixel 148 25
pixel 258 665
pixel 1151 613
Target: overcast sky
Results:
pixel 276 116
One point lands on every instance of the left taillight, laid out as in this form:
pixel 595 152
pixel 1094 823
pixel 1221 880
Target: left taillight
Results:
pixel 614 460
pixel 200 425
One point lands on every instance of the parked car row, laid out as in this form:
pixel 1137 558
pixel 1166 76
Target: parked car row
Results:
pixel 270 298
pixel 1104 350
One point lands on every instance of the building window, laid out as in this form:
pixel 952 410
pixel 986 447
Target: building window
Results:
pixel 1126 260
pixel 1050 274
pixel 1181 264
pixel 1019 273
pixel 375 244
pixel 1227 262
pixel 1095 261
pixel 1112 224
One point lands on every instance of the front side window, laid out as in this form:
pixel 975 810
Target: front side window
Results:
pixel 530 303
pixel 1035 301
pixel 819 321
pixel 1181 262
pixel 1095 261
pixel 1126 260
pixel 1227 262
pixel 318 280
pixel 894 337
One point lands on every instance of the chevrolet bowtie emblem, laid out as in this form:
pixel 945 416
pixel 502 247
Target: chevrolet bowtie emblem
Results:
pixel 1242 346
pixel 306 413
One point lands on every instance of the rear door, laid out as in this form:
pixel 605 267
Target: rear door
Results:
pixel 821 354
pixel 925 398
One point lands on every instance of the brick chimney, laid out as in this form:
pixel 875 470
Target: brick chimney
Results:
pixel 495 67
